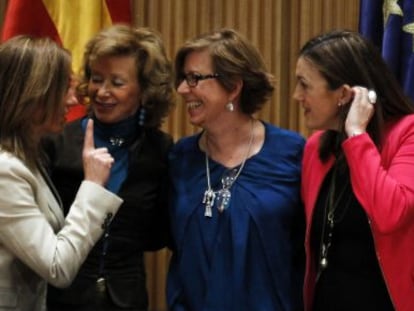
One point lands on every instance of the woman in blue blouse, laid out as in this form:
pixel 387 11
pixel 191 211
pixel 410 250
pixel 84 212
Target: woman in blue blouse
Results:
pixel 236 216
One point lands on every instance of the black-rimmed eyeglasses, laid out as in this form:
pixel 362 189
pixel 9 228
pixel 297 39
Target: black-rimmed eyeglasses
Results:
pixel 193 78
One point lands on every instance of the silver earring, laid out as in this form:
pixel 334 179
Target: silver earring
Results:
pixel 230 106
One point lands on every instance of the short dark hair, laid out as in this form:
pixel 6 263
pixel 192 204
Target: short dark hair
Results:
pixel 233 57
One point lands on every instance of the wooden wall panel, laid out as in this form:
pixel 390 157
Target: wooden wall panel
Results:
pixel 277 27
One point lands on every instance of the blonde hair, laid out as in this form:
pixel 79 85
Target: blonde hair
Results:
pixel 34 78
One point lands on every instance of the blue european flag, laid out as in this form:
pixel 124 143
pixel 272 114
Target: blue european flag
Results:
pixel 390 25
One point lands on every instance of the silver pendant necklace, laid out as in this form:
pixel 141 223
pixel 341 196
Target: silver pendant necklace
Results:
pixel 330 219
pixel 116 141
pixel 223 195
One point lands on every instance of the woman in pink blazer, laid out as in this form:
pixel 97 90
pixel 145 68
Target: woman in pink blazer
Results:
pixel 358 178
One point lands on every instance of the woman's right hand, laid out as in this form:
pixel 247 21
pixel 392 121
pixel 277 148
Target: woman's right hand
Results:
pixel 360 113
pixel 97 162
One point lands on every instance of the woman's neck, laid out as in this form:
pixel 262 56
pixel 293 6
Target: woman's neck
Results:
pixel 230 145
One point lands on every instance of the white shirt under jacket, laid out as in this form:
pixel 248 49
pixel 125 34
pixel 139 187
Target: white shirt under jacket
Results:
pixel 37 244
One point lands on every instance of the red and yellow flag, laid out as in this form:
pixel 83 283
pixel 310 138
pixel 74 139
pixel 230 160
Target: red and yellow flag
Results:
pixel 69 22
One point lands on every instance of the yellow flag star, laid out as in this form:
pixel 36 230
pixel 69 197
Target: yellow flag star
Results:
pixel 410 29
pixel 391 7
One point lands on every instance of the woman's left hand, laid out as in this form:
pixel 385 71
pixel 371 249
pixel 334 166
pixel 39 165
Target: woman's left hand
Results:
pixel 360 112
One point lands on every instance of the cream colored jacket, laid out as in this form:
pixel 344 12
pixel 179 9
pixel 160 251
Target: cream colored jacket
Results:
pixel 37 244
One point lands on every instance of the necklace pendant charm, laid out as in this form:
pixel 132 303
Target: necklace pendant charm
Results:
pixel 331 222
pixel 324 254
pixel 116 141
pixel 324 263
pixel 205 197
pixel 223 199
pixel 208 211
pixel 208 200
pixel 101 285
pixel 209 197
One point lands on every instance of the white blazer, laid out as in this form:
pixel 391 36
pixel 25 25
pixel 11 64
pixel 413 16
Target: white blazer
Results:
pixel 37 244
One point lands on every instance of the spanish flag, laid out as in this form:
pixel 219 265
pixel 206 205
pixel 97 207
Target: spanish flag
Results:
pixel 71 23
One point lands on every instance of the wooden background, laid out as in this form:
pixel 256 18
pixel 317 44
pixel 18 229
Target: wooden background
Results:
pixel 277 27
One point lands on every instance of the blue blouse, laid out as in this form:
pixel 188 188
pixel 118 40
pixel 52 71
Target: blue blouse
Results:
pixel 248 257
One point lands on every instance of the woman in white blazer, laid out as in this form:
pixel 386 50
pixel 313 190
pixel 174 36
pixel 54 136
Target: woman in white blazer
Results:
pixel 37 244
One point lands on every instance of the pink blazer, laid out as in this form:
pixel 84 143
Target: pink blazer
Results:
pixel 383 182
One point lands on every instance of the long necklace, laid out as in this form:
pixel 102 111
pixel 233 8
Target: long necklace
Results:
pixel 223 195
pixel 329 218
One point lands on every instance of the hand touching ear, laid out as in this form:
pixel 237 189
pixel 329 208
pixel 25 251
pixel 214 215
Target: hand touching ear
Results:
pixel 97 162
pixel 360 113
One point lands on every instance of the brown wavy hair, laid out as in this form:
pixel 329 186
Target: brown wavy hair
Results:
pixel 154 70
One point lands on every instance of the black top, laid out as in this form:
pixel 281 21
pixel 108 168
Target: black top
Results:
pixel 352 279
pixel 141 223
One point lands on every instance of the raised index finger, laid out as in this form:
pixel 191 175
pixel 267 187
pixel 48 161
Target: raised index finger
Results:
pixel 89 143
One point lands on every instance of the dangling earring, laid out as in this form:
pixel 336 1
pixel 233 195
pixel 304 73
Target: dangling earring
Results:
pixel 141 116
pixel 230 106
